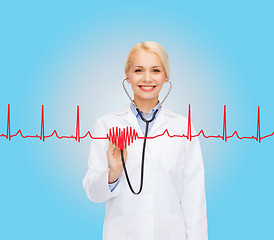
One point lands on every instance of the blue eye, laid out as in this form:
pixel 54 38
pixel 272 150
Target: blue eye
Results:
pixel 156 70
pixel 138 70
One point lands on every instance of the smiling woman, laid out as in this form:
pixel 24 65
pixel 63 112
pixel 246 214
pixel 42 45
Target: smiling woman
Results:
pixel 146 74
pixel 172 203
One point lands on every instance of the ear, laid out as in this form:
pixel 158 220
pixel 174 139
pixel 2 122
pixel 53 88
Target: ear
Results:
pixel 127 76
pixel 166 78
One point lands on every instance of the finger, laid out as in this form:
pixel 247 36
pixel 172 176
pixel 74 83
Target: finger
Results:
pixel 112 144
pixel 125 152
pixel 112 148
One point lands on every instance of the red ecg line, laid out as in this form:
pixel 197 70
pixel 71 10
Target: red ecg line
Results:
pixel 124 137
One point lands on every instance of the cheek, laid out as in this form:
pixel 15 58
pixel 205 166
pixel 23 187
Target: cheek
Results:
pixel 159 77
pixel 135 79
pixel 161 81
pixel 134 83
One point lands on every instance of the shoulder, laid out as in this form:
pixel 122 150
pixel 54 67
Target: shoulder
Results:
pixel 112 117
pixel 177 122
pixel 172 115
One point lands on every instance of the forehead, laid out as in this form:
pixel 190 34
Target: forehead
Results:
pixel 145 58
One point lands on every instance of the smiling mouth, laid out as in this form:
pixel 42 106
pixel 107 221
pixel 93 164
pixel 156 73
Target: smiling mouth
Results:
pixel 147 88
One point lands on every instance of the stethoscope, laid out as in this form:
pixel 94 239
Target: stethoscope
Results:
pixel 146 132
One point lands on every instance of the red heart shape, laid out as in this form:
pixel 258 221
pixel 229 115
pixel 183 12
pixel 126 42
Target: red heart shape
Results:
pixel 122 138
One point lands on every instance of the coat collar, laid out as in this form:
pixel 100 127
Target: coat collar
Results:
pixel 161 119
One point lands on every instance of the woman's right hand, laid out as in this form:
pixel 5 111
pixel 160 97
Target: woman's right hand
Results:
pixel 115 162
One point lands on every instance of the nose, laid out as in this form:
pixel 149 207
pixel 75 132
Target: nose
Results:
pixel 147 76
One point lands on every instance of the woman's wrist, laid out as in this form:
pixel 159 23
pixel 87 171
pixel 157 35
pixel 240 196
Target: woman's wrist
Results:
pixel 112 176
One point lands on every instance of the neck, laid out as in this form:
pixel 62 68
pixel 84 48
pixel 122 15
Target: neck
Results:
pixel 145 105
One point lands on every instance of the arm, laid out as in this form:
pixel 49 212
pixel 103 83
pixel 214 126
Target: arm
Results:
pixel 193 199
pixel 95 181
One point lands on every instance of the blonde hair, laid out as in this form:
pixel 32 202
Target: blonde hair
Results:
pixel 149 46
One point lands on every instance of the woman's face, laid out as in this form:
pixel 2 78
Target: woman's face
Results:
pixel 146 75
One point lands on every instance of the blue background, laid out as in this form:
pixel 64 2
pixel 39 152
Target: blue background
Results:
pixel 67 53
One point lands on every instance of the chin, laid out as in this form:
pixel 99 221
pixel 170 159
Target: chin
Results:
pixel 146 98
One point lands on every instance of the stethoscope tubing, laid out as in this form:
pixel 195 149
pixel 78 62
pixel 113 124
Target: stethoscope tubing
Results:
pixel 144 143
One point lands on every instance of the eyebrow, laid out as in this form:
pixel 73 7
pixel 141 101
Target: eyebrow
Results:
pixel 151 67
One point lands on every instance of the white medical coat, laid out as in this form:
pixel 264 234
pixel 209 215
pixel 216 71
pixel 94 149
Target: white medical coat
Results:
pixel 172 204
